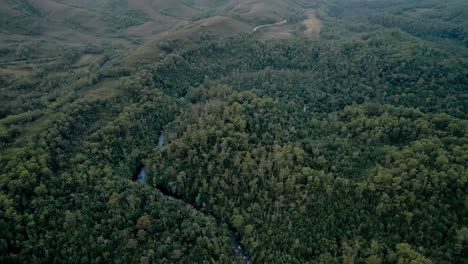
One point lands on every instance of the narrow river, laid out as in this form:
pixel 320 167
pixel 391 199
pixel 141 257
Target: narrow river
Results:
pixel 140 176
pixel 235 243
pixel 161 138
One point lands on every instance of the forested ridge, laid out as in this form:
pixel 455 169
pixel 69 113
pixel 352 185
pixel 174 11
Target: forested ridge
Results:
pixel 347 148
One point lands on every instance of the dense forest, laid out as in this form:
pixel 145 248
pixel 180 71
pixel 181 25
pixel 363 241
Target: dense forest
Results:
pixel 346 147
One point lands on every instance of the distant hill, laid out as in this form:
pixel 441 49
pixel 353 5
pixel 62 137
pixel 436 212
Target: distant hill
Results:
pixel 46 28
pixel 171 131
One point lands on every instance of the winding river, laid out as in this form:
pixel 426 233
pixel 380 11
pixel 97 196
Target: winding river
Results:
pixel 235 243
pixel 140 176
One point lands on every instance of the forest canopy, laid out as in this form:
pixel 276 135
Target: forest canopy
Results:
pixel 345 145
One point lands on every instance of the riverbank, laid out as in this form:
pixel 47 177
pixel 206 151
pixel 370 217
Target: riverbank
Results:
pixel 236 244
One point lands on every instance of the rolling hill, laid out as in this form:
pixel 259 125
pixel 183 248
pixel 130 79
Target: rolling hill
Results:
pixel 233 131
pixel 47 29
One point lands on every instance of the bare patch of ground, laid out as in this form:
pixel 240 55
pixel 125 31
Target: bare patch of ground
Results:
pixel 312 23
pixel 104 90
pixel 276 32
pixel 87 59
pixel 312 28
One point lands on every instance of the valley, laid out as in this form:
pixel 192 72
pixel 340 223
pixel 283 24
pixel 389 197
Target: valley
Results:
pixel 233 131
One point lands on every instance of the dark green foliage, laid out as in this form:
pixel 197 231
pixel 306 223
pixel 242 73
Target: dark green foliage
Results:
pixel 126 19
pixel 26 7
pixel 347 149
pixel 366 173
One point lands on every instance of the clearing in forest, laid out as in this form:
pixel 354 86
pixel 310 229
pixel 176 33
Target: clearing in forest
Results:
pixel 312 24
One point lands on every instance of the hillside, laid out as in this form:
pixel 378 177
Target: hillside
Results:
pixel 46 29
pixel 157 131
